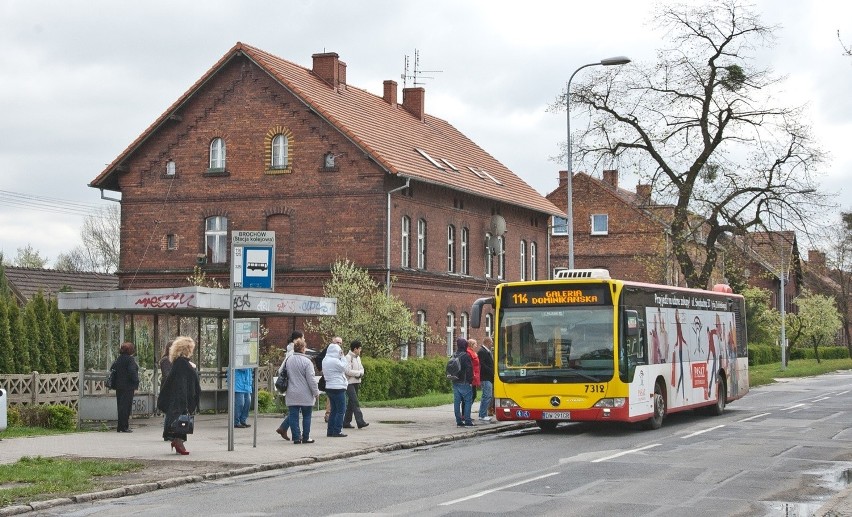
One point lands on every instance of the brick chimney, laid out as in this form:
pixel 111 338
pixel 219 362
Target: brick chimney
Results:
pixel 329 68
pixel 563 178
pixel 390 92
pixel 643 192
pixel 610 177
pixel 816 258
pixel 414 101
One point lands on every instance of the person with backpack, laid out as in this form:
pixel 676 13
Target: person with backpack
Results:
pixel 486 378
pixel 460 371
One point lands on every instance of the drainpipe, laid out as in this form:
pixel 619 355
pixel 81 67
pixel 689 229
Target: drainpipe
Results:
pixel 388 250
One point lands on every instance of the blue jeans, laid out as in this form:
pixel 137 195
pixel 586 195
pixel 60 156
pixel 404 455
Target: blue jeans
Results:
pixel 337 399
pixel 462 400
pixel 242 402
pixel 486 399
pixel 293 421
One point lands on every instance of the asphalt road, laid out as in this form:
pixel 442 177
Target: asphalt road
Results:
pixel 782 450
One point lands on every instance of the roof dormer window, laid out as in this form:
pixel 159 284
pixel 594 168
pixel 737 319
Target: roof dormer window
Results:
pixel 431 160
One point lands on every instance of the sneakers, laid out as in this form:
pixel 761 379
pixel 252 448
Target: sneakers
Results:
pixel 485 419
pixel 469 424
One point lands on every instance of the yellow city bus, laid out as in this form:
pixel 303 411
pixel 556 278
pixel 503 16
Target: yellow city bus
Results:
pixel 586 347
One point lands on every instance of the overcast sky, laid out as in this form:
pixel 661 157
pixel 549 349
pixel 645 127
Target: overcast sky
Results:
pixel 81 79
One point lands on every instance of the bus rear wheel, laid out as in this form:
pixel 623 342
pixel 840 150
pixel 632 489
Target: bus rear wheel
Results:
pixel 546 426
pixel 656 421
pixel 721 391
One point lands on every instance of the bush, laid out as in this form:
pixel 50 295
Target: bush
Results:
pixel 766 354
pixel 265 402
pixel 386 379
pixel 52 416
pixel 13 417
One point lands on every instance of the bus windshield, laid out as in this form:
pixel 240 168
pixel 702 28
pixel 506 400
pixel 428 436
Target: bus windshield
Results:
pixel 555 344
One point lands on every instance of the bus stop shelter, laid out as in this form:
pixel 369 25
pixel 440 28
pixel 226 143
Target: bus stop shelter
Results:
pixel 150 318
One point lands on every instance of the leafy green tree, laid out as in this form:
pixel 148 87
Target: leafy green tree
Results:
pixel 7 355
pixel 703 126
pixel 839 262
pixel 32 338
pixel 20 342
pixel 45 339
pixel 72 324
pixel 762 321
pixel 817 322
pixel 365 312
pixel 29 257
pixel 59 331
pixel 5 290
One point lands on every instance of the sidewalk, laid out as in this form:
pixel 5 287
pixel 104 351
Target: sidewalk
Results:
pixel 389 429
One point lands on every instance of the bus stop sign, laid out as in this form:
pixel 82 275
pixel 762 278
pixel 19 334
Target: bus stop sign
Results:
pixel 253 260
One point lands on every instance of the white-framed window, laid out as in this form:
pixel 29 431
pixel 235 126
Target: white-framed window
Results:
pixel 421 244
pixel 217 154
pixel 501 257
pixel 451 248
pixel 216 239
pixel 451 328
pixel 600 224
pixel 489 257
pixel 464 255
pixel 463 325
pixel 170 168
pixel 558 225
pixel 421 338
pixel 489 324
pixel 279 151
pixel 533 261
pixel 523 257
pixel 405 244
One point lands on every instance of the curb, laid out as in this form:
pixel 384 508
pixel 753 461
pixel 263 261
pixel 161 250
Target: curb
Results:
pixel 252 469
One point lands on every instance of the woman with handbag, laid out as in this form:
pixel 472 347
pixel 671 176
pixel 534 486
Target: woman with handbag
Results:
pixel 125 383
pixel 179 394
pixel 301 394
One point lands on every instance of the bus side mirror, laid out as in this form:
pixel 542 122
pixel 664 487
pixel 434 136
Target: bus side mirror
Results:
pixel 631 323
pixel 476 311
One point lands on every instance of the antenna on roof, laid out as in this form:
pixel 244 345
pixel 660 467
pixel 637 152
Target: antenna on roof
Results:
pixel 417 71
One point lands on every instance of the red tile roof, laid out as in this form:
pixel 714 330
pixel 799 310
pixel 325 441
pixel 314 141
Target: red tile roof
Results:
pixel 388 134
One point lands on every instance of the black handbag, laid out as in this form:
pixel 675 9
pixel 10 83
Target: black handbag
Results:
pixel 184 424
pixel 283 379
pixel 321 383
pixel 111 379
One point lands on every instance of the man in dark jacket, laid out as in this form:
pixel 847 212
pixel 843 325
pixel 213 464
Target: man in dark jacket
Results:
pixel 462 388
pixel 486 378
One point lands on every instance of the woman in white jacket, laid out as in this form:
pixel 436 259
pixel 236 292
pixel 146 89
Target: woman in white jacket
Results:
pixel 334 371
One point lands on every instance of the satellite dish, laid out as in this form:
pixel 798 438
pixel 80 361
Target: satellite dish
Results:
pixel 498 225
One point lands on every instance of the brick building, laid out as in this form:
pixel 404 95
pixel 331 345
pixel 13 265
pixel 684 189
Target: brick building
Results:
pixel 261 143
pixel 615 229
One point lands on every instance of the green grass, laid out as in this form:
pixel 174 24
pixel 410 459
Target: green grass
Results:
pixel 428 400
pixel 41 478
pixel 22 430
pixel 767 373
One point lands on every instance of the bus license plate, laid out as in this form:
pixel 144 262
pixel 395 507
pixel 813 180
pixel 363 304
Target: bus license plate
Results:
pixel 556 415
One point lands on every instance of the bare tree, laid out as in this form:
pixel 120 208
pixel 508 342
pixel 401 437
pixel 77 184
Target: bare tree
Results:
pixel 839 262
pixel 700 127
pixel 101 240
pixel 847 50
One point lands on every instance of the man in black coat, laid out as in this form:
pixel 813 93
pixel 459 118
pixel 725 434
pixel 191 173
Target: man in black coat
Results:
pixel 126 382
pixel 463 386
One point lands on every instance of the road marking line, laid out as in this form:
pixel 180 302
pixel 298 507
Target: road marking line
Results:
pixel 626 452
pixel 820 399
pixel 791 407
pixel 753 417
pixel 696 433
pixel 842 393
pixel 485 492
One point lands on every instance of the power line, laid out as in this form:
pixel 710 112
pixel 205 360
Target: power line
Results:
pixel 47 204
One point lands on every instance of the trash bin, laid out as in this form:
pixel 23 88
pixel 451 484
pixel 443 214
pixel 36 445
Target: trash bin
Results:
pixel 3 404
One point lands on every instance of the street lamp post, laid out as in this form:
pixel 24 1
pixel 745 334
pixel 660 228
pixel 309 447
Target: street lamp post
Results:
pixel 569 221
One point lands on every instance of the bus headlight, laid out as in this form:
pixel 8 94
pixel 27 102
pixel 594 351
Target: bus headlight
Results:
pixel 611 403
pixel 505 403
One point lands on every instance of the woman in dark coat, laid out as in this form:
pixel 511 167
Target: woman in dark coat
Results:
pixel 180 391
pixel 126 382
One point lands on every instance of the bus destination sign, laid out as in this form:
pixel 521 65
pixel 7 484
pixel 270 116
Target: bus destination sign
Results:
pixel 554 295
